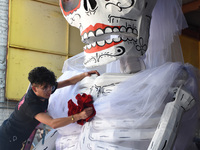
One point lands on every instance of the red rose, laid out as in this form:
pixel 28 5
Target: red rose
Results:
pixel 83 102
pixel 73 108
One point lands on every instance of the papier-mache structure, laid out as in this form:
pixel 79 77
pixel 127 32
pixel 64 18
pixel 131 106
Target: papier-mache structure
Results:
pixel 145 97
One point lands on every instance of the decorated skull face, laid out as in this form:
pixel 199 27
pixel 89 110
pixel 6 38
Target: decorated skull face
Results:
pixel 110 28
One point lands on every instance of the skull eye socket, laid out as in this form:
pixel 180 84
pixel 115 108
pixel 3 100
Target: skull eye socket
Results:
pixel 69 5
pixel 92 3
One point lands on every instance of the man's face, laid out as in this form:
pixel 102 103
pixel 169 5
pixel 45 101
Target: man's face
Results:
pixel 43 91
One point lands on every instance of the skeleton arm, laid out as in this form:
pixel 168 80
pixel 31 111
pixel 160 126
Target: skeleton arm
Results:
pixel 166 132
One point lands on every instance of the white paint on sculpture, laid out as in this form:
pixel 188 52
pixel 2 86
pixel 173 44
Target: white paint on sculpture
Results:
pixel 122 27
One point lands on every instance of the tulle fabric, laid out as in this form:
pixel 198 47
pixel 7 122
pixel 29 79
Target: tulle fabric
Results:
pixel 167 23
pixel 144 100
pixel 136 104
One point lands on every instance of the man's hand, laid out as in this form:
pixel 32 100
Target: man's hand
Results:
pixel 89 73
pixel 86 113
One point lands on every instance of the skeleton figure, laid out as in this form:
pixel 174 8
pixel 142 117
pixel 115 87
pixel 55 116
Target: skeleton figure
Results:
pixel 129 103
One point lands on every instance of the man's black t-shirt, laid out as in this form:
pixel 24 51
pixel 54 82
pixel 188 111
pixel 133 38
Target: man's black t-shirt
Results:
pixel 18 127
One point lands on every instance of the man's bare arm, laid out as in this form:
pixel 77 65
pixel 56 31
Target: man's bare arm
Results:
pixel 75 79
pixel 60 122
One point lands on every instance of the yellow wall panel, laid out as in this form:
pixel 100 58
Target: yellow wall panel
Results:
pixel 54 2
pixel 191 50
pixel 38 36
pixel 38 26
pixel 20 62
pixel 75 43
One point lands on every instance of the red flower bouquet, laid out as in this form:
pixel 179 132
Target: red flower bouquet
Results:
pixel 83 102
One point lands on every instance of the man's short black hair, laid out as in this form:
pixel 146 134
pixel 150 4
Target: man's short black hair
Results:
pixel 41 75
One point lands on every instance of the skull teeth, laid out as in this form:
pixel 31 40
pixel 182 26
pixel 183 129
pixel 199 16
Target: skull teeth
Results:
pixel 109 41
pixel 124 38
pixel 85 36
pixel 99 32
pixel 102 43
pixel 122 29
pixel 91 34
pixel 117 39
pixel 94 44
pixel 115 30
pixel 129 30
pixel 108 30
pixel 89 46
pixel 104 34
pixel 101 37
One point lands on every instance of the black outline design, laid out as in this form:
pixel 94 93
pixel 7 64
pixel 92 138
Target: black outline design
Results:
pixel 141 46
pixel 114 17
pixel 91 12
pixel 100 90
pixel 120 7
pixel 72 18
pixel 108 54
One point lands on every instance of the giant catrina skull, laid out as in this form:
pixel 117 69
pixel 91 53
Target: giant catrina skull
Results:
pixel 110 28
